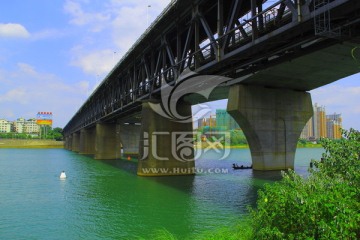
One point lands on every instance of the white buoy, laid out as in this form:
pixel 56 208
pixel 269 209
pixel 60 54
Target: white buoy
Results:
pixel 62 175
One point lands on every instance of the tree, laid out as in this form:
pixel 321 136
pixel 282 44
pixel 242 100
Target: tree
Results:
pixel 55 133
pixel 237 137
pixel 323 206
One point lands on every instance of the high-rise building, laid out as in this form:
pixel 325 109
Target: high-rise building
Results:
pixel 207 122
pixel 322 125
pixel 319 122
pixel 211 121
pixel 308 131
pixel 200 122
pixel 223 119
pixel 334 125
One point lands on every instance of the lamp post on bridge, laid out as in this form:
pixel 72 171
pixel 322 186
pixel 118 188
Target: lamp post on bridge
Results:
pixel 147 16
pixel 114 57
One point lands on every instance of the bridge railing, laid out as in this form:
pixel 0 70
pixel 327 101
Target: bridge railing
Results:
pixel 205 53
pixel 168 75
pixel 274 16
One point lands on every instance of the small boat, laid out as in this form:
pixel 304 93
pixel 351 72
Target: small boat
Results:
pixel 235 166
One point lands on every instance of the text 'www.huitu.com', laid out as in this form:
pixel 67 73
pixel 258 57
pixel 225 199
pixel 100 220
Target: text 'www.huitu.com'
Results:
pixel 185 170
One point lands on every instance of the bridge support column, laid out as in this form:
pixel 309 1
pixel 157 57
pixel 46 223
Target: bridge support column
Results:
pixel 107 145
pixel 166 146
pixel 75 142
pixel 130 139
pixel 87 141
pixel 69 142
pixel 66 143
pixel 272 120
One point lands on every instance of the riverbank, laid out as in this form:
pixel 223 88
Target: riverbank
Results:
pixel 245 146
pixel 30 143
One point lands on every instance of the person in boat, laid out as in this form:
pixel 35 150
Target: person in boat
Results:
pixel 235 165
pixel 242 166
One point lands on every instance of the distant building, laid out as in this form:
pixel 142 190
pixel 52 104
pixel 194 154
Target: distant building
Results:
pixel 308 131
pixel 207 122
pixel 223 119
pixel 334 125
pixel 5 126
pixel 319 122
pixel 18 125
pixel 211 121
pixel 31 127
pixel 202 122
pixel 21 125
pixel 322 125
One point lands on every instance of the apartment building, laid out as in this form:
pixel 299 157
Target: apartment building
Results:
pixel 5 126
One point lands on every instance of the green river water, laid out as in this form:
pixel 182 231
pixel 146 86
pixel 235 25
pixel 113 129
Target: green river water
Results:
pixel 107 200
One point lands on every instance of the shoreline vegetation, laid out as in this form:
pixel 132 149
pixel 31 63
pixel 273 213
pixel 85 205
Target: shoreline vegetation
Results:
pixel 30 143
pixel 325 205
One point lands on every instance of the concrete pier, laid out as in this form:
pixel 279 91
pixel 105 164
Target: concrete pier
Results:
pixel 87 141
pixel 67 143
pixel 107 144
pixel 272 120
pixel 129 138
pixel 166 146
pixel 75 142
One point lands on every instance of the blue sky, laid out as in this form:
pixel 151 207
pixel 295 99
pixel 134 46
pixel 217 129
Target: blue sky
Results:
pixel 54 53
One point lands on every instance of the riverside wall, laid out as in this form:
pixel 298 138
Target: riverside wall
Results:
pixel 30 143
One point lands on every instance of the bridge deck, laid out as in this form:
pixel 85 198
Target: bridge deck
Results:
pixel 243 40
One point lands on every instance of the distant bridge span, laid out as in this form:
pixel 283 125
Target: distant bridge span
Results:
pixel 262 56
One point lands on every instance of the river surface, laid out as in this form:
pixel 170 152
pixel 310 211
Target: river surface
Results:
pixel 106 200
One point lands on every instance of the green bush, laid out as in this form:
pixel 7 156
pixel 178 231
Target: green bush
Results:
pixel 326 205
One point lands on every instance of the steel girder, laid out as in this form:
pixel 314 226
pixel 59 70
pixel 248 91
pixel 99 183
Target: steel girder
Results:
pixel 224 37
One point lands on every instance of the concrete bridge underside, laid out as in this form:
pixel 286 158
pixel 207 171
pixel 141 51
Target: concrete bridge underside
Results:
pixel 272 117
pixel 269 70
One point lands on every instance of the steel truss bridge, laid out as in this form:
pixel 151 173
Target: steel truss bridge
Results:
pixel 232 38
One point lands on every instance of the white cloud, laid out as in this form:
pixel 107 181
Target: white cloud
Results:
pixel 340 98
pixel 109 27
pixel 13 30
pixel 131 21
pixel 48 34
pixel 26 68
pixel 84 87
pixel 15 95
pixel 96 20
pixel 38 91
pixel 98 62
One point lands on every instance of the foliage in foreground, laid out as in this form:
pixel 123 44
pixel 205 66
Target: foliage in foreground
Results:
pixel 242 230
pixel 326 205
